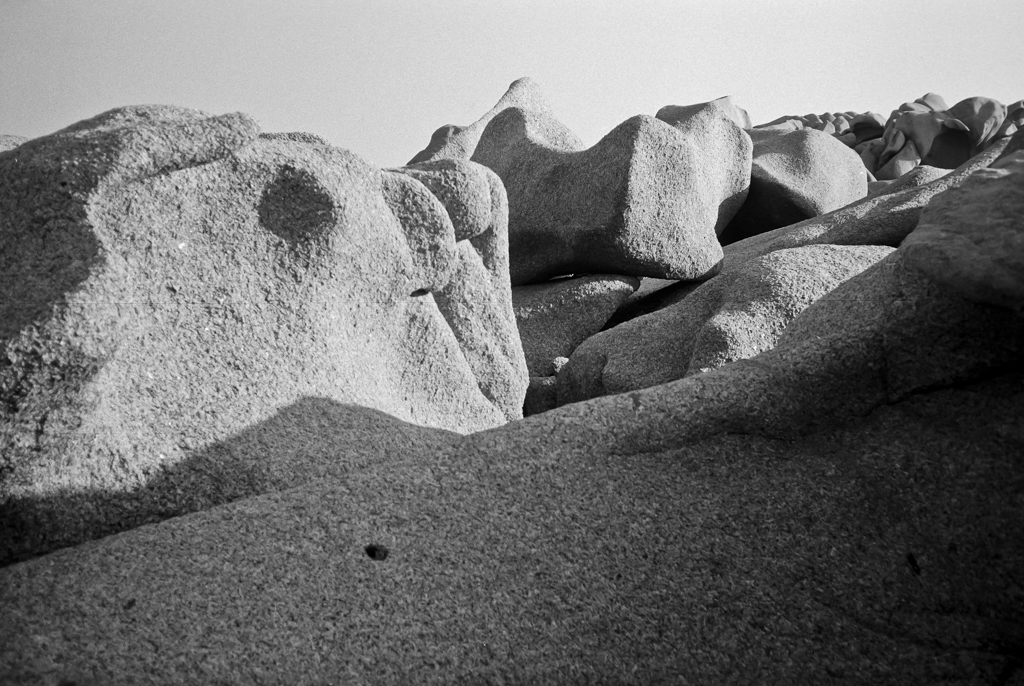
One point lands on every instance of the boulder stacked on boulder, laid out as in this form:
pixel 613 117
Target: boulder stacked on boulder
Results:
pixel 795 175
pixel 476 302
pixel 170 278
pixel 646 200
pixel 802 460
pixel 925 131
pixel 731 317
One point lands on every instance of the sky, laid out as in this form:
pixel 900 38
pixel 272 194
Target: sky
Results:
pixel 378 77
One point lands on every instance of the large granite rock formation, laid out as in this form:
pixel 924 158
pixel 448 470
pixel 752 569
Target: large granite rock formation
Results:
pixel 929 132
pixel 945 138
pixel 971 238
pixel 477 301
pixel 845 504
pixel 733 316
pixel 648 199
pixel 453 142
pixel 851 128
pixel 796 175
pixel 926 131
pixel 885 218
pixel 170 278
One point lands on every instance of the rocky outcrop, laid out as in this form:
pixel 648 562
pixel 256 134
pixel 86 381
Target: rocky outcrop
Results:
pixel 944 138
pixel 832 488
pixel 918 176
pixel 926 131
pixel 845 503
pixel 171 278
pixel 452 142
pixel 850 128
pixel 477 301
pixel 645 200
pixel 673 114
pixel 884 219
pixel 731 317
pixel 796 175
pixel 971 238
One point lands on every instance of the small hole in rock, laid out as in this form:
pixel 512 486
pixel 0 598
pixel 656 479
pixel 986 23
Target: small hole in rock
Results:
pixel 376 552
pixel 419 292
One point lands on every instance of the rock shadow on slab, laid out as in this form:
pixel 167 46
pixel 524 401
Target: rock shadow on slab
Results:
pixel 310 439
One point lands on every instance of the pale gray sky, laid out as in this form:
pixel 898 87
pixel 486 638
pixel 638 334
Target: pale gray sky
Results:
pixel 378 77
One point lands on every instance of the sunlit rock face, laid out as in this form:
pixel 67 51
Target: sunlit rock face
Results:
pixel 554 317
pixel 944 138
pixel 733 316
pixel 813 465
pixel 646 200
pixel 926 131
pixel 477 301
pixel 454 142
pixel 169 278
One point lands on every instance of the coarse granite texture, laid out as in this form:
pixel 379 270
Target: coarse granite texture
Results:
pixel 882 552
pixel 454 142
pixel 170 278
pixel 477 301
pixel 310 439
pixel 795 175
pixel 734 316
pixel 971 238
pixel 880 219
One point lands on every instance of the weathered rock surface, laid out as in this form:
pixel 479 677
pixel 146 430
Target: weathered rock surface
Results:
pixel 556 316
pixel 717 127
pixel 940 137
pixel 971 238
pixel 731 317
pixel 849 128
pixel 9 141
pixel 169 278
pixel 645 200
pixel 795 176
pixel 845 503
pixel 673 114
pixel 835 506
pixel 477 302
pixel 918 176
pixel 926 131
pixel 885 219
pixel 452 142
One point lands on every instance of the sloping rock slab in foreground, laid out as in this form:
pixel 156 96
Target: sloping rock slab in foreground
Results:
pixel 879 553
